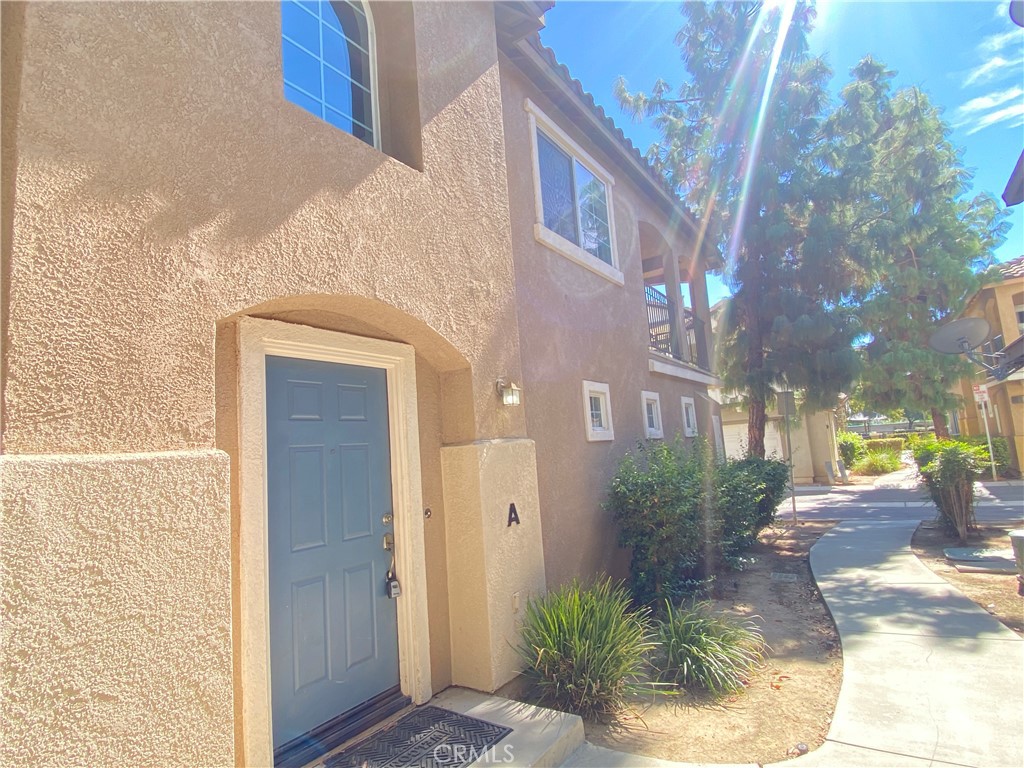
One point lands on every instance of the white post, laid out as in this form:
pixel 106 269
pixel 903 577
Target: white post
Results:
pixel 789 449
pixel 988 438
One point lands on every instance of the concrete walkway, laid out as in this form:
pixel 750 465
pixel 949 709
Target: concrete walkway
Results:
pixel 929 678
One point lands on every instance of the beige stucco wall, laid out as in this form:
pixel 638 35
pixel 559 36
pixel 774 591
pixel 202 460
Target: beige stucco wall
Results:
pixel 115 582
pixel 575 326
pixel 820 427
pixel 481 481
pixel 164 183
pixel 162 187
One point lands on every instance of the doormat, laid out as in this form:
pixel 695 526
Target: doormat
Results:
pixel 428 737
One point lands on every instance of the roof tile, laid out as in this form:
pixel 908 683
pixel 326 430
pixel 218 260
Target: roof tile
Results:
pixel 1012 268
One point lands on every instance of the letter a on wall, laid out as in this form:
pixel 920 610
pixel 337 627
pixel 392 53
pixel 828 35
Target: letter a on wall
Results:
pixel 513 516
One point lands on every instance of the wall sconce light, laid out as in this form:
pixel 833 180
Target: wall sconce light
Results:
pixel 510 393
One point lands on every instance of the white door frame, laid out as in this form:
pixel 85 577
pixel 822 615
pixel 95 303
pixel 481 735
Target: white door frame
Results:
pixel 257 339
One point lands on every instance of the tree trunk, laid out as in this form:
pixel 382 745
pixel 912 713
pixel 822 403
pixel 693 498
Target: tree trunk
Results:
pixel 939 422
pixel 755 427
pixel 756 399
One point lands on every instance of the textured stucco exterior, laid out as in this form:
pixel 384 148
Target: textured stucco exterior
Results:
pixel 116 639
pixel 575 325
pixel 159 193
pixel 488 547
pixel 163 183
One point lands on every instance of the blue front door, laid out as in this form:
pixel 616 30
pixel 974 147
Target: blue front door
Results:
pixel 333 629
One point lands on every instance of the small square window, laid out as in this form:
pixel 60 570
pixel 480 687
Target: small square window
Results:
pixel 689 417
pixel 652 415
pixel 598 412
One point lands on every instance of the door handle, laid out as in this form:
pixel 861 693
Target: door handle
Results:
pixel 389 541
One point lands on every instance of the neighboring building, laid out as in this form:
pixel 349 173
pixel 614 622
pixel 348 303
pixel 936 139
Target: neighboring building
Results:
pixel 1001 303
pixel 811 438
pixel 269 273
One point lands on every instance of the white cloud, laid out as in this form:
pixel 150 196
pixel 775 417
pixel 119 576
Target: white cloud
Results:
pixel 994 69
pixel 1000 60
pixel 996 43
pixel 990 101
pixel 1013 114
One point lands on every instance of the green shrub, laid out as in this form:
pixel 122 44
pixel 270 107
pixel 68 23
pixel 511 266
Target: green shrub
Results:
pixel 924 449
pixel 950 477
pixel 887 444
pixel 851 447
pixel 684 513
pixel 585 650
pixel 700 649
pixel 878 463
pixel 656 497
pixel 747 494
pixel 1000 451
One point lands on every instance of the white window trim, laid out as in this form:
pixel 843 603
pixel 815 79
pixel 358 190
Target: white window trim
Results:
pixel 659 430
pixel 553 240
pixel 371 48
pixel 591 388
pixel 695 429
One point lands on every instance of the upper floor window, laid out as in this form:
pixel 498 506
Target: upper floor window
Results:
pixel 574 205
pixel 575 201
pixel 328 60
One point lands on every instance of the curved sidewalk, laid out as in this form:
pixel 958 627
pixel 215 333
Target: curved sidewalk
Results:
pixel 929 678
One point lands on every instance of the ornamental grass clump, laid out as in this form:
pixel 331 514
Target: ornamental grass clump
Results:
pixel 585 650
pixel 880 462
pixel 701 650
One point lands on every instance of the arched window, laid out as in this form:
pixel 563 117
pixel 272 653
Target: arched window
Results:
pixel 327 52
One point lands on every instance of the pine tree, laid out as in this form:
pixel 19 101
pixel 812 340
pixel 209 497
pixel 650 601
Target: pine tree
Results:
pixel 918 240
pixel 742 143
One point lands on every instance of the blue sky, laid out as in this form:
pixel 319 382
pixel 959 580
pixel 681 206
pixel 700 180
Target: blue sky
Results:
pixel 967 56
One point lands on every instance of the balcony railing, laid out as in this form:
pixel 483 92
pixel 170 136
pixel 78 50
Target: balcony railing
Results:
pixel 662 330
pixel 659 321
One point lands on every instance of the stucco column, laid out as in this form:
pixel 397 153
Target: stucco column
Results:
pixel 676 316
pixel 819 435
pixel 699 303
pixel 495 555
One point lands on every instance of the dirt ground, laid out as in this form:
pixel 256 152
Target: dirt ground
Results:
pixel 995 592
pixel 789 701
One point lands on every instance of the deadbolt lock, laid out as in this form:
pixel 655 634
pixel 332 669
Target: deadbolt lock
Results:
pixel 388 519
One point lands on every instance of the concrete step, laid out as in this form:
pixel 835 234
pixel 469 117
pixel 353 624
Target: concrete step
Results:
pixel 540 737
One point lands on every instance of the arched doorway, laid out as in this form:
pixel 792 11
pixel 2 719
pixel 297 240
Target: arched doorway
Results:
pixel 326 462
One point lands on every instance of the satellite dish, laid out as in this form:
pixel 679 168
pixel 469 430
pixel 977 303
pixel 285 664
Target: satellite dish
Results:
pixel 961 335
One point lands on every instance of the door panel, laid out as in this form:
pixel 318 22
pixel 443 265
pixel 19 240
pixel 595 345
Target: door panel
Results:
pixel 333 630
